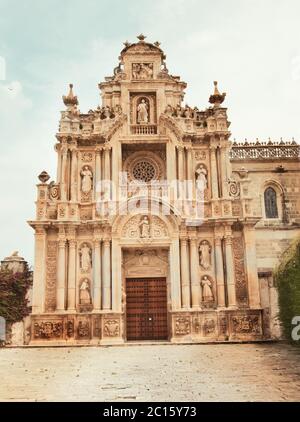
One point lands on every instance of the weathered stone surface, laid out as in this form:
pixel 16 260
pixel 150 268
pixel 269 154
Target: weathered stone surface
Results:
pixel 266 372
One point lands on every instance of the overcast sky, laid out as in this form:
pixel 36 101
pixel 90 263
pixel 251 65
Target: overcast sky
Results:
pixel 252 47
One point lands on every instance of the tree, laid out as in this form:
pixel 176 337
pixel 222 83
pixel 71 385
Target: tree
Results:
pixel 13 289
pixel 287 278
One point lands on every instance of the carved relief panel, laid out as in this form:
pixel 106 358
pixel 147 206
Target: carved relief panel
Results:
pixel 239 269
pixel 145 228
pixel 51 273
pixel 145 262
pixel 142 71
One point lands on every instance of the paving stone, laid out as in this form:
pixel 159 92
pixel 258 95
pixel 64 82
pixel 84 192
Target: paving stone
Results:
pixel 233 372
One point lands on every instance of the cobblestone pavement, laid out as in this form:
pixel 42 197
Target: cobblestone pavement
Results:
pixel 244 372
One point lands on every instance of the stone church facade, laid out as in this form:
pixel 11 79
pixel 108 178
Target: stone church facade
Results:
pixel 158 227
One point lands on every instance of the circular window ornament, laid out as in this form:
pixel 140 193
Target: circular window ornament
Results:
pixel 144 171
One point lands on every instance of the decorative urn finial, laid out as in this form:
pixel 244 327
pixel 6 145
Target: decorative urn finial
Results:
pixel 70 99
pixel 44 177
pixel 141 37
pixel 217 98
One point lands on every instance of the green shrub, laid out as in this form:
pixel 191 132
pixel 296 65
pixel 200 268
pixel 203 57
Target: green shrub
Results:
pixel 13 289
pixel 287 278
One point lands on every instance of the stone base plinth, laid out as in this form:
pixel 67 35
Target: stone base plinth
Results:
pixel 186 327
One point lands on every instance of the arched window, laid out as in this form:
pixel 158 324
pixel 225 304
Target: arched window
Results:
pixel 271 208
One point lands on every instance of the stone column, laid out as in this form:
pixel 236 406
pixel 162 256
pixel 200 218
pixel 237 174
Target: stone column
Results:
pixel 74 181
pixel 72 275
pixel 180 163
pixel 116 160
pixel 116 277
pixel 230 270
pixel 106 267
pixel 107 163
pixel 184 271
pixel 58 172
pixel 64 161
pixel 250 254
pixel 194 265
pixel 39 276
pixel 214 173
pixel 97 275
pixel 61 275
pixel 219 271
pixel 171 161
pixel 174 269
pixel 180 172
pixel 171 170
pixel 223 164
pixel 98 167
pixel 190 174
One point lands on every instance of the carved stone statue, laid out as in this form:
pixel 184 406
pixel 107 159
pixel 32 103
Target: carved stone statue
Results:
pixel 85 292
pixel 207 293
pixel 204 254
pixel 201 177
pixel 145 227
pixel 142 110
pixel 86 179
pixel 86 257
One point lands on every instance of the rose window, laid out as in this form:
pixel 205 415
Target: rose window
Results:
pixel 144 170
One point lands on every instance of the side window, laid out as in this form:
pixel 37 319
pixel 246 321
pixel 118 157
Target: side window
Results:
pixel 271 208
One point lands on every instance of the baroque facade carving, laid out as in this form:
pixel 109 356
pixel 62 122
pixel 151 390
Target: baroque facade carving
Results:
pixel 190 251
pixel 51 268
pixel 145 227
pixel 239 269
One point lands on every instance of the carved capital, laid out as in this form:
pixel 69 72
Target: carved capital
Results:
pixel 97 243
pixel 107 148
pixel 193 240
pixel 61 244
pixel 72 243
pixel 106 243
pixel 228 240
pixel 218 241
pixel 183 240
pixel 40 232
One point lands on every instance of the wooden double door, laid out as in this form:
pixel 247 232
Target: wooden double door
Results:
pixel 146 309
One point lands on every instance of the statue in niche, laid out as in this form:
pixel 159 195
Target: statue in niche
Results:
pixel 85 257
pixel 86 179
pixel 207 293
pixel 201 178
pixel 142 112
pixel 144 227
pixel 85 292
pixel 204 254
